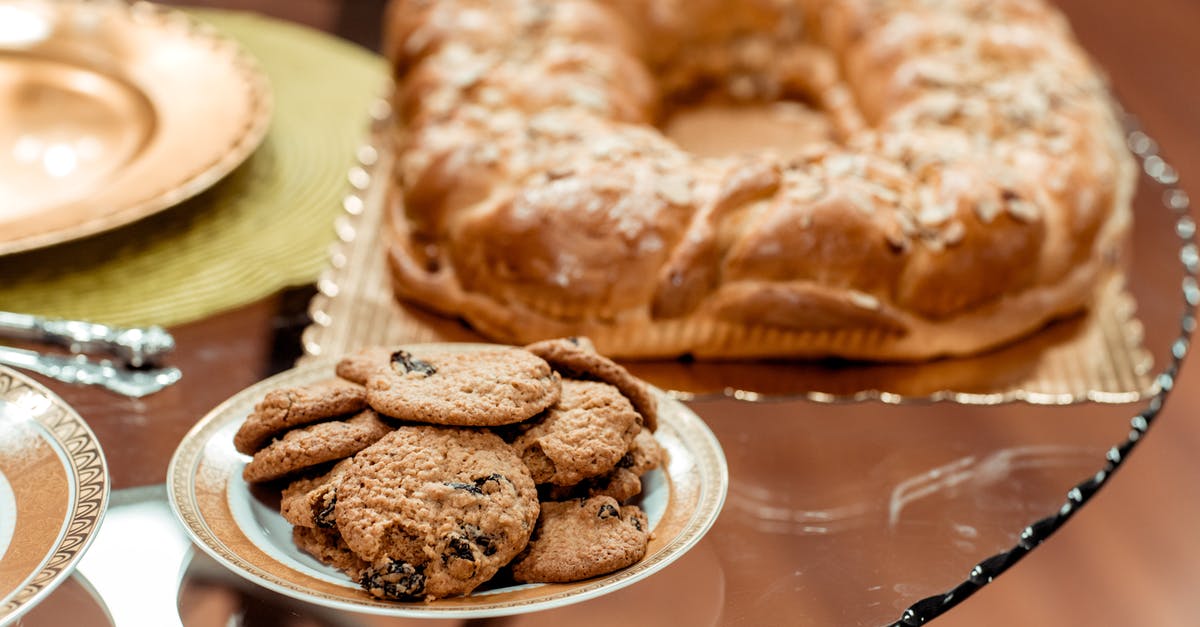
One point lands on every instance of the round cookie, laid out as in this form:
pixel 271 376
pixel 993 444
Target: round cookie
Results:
pixel 436 511
pixel 469 388
pixel 361 364
pixel 308 501
pixel 582 538
pixel 328 547
pixel 308 446
pixel 623 482
pixel 283 409
pixel 575 358
pixel 583 435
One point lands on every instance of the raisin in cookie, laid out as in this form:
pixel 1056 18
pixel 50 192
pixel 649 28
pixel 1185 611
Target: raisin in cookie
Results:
pixel 583 435
pixel 436 511
pixel 283 409
pixel 470 388
pixel 309 446
pixel 582 538
pixel 576 359
pixel 644 455
pixel 308 501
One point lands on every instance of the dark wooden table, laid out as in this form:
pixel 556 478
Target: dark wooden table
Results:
pixel 1132 557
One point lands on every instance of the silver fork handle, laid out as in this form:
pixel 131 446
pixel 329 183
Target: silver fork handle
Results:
pixel 78 369
pixel 136 346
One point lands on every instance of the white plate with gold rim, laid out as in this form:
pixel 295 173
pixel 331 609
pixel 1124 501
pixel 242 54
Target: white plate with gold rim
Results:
pixel 113 111
pixel 53 492
pixel 242 529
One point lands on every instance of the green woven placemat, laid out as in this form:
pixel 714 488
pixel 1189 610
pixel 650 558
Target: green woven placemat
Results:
pixel 265 227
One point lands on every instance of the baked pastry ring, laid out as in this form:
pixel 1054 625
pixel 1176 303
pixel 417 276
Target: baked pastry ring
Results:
pixel 975 185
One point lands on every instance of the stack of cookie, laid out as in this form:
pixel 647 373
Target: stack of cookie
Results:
pixel 424 474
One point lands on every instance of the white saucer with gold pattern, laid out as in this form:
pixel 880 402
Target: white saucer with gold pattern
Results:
pixel 242 529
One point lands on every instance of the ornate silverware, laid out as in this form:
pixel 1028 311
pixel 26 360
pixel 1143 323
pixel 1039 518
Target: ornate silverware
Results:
pixel 79 369
pixel 136 346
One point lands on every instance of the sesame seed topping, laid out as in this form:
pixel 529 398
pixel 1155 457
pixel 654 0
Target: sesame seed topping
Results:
pixel 840 165
pixel 859 199
pixel 987 209
pixel 1023 210
pixel 675 189
pixel 590 98
pixel 487 154
pixel 863 300
pixel 953 233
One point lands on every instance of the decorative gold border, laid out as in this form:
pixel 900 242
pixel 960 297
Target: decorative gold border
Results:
pixel 147 14
pixel 693 434
pixel 90 472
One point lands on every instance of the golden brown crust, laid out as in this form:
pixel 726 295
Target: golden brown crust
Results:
pixel 979 181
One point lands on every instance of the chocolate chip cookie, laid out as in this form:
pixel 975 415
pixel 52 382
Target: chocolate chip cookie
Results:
pixel 583 435
pixel 284 409
pixel 468 388
pixel 309 446
pixel 574 358
pixel 435 511
pixel 582 538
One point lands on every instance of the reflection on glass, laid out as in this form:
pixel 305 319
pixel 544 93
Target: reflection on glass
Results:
pixel 22 26
pixel 59 160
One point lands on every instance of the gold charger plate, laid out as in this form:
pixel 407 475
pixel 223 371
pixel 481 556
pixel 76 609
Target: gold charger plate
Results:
pixel 110 112
pixel 245 533
pixel 53 492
